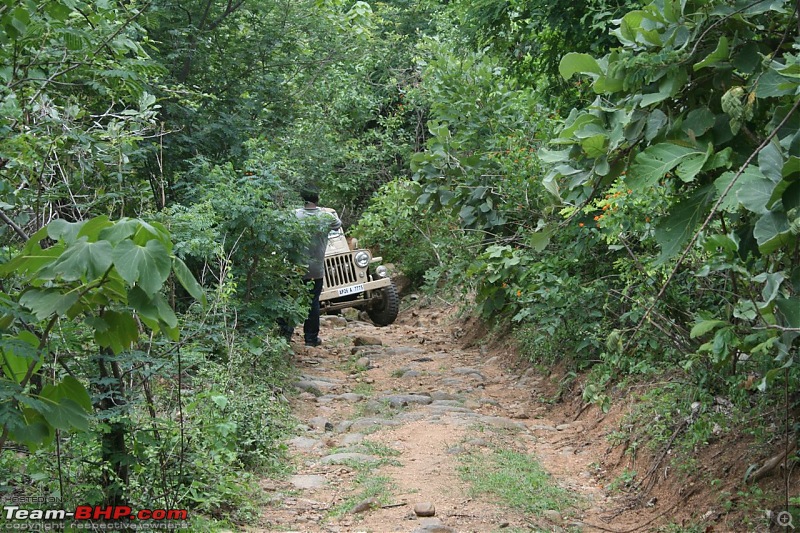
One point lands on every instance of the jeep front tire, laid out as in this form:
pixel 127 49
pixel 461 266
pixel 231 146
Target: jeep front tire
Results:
pixel 384 311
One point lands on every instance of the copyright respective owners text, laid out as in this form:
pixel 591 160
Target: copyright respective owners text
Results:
pixel 34 513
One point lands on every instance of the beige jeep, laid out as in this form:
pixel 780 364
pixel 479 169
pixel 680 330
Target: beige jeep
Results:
pixel 353 278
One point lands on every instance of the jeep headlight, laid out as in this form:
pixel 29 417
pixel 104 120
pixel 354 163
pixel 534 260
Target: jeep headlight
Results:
pixel 362 259
pixel 382 271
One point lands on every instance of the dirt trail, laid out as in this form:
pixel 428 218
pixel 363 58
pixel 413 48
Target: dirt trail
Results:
pixel 403 418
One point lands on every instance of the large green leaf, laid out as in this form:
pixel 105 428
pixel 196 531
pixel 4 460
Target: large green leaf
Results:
pixel 674 231
pixel 791 169
pixel 573 63
pixel 187 279
pixel 17 353
pixel 83 258
pixel 704 326
pixel 44 303
pixel 71 388
pixel 656 161
pixel 61 230
pixel 32 260
pixel 66 414
pixel 750 175
pixel 790 308
pixel 93 227
pixel 34 434
pixel 148 231
pixel 148 266
pixel 772 232
pixel 115 330
pixel 772 84
pixel 770 161
pixel 719 54
pixel 121 230
pixel 755 194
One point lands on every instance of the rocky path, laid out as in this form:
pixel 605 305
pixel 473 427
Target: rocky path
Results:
pixel 395 415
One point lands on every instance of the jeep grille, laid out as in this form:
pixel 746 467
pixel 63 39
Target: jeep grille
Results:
pixel 339 270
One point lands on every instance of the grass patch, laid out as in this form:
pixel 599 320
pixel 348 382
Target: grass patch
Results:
pixel 366 486
pixel 364 389
pixel 380 450
pixel 517 479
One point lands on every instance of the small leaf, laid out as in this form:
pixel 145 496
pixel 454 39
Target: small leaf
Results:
pixel 698 121
pixel 540 239
pixel 771 288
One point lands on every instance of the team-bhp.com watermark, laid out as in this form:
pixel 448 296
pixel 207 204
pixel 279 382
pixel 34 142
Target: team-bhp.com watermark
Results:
pixel 90 517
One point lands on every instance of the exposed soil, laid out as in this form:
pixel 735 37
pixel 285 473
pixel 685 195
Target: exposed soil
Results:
pixel 430 395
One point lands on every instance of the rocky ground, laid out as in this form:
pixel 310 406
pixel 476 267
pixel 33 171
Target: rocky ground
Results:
pixel 394 414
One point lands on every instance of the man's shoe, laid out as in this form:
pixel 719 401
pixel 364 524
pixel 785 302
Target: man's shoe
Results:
pixel 314 342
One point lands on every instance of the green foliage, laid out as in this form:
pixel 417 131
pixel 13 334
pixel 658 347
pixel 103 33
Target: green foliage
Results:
pixel 238 229
pixel 410 235
pixel 74 101
pixel 687 163
pixel 101 271
pixel 530 36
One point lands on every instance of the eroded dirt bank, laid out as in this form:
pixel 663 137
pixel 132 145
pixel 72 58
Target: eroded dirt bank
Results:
pixel 391 415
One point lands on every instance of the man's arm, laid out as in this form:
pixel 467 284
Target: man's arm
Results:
pixel 336 223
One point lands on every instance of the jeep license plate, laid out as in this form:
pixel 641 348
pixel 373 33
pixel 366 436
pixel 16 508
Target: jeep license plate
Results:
pixel 354 289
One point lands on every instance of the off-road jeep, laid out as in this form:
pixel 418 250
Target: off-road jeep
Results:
pixel 353 278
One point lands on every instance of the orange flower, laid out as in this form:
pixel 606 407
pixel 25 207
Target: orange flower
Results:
pixel 597 217
pixel 581 224
pixel 519 293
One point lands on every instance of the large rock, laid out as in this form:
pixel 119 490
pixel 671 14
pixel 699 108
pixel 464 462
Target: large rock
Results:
pixel 402 400
pixel 364 340
pixel 308 482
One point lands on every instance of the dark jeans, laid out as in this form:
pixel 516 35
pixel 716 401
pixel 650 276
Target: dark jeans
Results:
pixel 311 324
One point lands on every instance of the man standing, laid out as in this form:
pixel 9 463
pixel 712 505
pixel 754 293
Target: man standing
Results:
pixel 325 221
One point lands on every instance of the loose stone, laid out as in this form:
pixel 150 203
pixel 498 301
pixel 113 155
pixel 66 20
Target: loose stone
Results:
pixel 424 509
